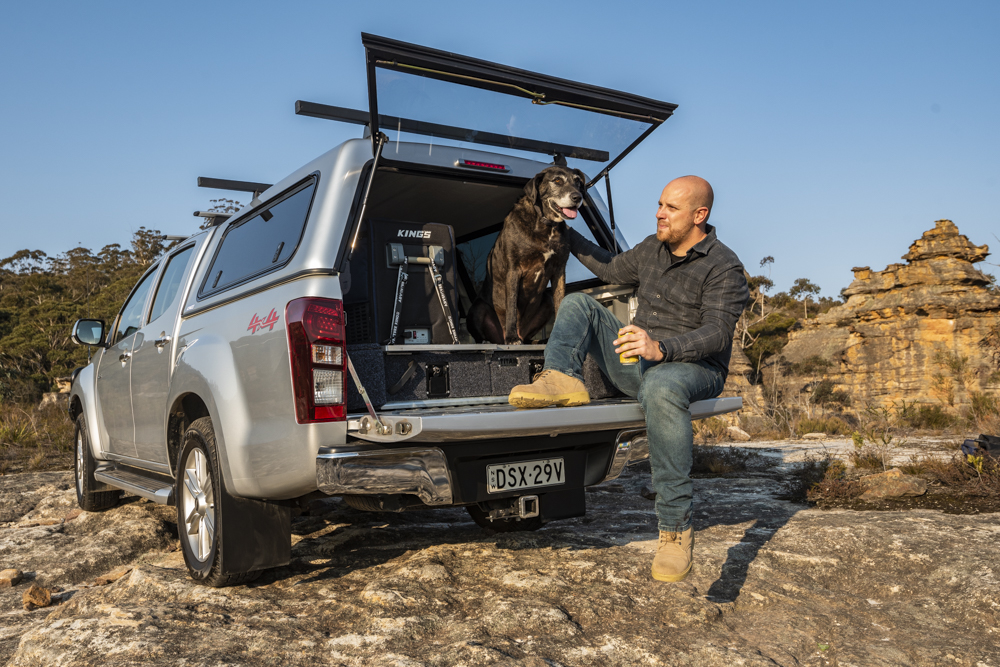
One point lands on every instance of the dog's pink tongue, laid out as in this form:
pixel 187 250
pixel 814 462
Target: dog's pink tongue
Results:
pixel 569 213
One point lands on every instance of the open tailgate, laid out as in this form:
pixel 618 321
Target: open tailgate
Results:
pixel 501 420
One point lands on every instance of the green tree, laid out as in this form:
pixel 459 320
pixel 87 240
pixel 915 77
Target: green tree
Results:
pixel 803 288
pixel 41 297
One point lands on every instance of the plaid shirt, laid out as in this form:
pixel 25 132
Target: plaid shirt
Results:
pixel 690 306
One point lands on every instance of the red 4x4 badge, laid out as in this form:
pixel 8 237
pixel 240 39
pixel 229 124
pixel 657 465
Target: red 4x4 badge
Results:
pixel 256 323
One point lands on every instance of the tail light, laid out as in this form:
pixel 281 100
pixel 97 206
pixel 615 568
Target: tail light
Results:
pixel 316 347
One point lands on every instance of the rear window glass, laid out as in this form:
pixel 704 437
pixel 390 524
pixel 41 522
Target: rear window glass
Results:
pixel 262 243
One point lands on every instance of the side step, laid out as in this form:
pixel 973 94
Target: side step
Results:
pixel 150 486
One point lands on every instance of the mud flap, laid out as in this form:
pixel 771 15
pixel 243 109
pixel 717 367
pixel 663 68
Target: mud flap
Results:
pixel 257 534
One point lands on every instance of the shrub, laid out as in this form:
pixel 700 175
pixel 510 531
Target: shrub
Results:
pixel 820 477
pixel 712 429
pixel 932 417
pixel 761 428
pixel 811 366
pixel 867 458
pixel 982 406
pixel 824 394
pixel 828 425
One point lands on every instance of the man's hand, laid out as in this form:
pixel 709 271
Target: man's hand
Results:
pixel 635 341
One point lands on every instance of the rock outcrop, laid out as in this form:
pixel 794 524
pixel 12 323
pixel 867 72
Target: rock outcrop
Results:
pixel 912 331
pixel 774 583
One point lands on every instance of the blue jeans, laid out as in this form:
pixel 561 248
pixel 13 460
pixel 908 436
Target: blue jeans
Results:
pixel 664 390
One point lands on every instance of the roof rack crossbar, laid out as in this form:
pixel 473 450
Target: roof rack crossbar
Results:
pixel 226 184
pixel 329 112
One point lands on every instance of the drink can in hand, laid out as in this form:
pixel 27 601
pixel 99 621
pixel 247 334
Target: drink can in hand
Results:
pixel 624 358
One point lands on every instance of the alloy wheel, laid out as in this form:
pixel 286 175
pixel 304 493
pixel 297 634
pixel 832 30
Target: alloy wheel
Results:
pixel 198 504
pixel 79 462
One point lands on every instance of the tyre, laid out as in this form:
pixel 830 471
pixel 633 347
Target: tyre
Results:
pixel 85 465
pixel 199 510
pixel 482 519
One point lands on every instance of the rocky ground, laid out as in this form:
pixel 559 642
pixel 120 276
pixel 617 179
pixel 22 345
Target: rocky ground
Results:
pixel 775 583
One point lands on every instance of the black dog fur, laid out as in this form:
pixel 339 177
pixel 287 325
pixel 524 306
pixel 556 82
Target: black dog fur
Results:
pixel 530 252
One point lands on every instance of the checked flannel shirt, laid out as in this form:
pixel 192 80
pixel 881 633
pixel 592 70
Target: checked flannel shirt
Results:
pixel 690 306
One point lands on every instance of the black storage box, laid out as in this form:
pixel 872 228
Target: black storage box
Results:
pixel 398 375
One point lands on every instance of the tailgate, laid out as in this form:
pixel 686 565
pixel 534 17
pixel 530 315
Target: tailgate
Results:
pixel 493 417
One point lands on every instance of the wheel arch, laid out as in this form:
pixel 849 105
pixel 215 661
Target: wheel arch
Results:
pixel 186 408
pixel 83 401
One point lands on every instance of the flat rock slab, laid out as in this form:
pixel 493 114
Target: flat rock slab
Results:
pixel 774 584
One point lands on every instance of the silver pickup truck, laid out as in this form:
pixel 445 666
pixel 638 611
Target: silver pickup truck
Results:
pixel 315 342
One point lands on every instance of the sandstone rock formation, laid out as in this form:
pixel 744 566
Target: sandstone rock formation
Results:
pixel 774 583
pixel 912 331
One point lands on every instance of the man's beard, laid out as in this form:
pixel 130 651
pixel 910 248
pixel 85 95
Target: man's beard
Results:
pixel 673 234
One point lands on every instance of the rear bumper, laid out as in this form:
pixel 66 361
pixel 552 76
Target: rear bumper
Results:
pixel 631 446
pixel 425 472
pixel 422 472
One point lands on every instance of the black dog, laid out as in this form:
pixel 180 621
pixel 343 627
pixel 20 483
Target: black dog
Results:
pixel 530 252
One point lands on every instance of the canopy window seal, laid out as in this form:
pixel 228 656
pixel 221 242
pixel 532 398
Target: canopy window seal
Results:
pixel 536 98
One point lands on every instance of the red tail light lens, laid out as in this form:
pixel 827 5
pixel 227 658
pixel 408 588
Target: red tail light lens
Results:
pixel 316 348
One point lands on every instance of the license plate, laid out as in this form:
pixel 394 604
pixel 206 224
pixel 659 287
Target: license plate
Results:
pixel 525 475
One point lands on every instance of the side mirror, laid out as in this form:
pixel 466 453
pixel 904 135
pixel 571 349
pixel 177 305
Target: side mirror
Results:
pixel 89 332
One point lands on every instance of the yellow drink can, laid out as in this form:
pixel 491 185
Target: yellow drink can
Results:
pixel 624 358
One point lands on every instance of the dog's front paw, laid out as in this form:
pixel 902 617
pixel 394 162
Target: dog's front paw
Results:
pixel 512 341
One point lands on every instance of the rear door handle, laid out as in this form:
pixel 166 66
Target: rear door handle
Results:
pixel 161 341
pixel 124 356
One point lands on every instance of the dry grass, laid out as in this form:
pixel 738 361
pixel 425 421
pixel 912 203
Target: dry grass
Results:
pixel 831 425
pixel 34 439
pixel 760 428
pixel 960 477
pixel 710 430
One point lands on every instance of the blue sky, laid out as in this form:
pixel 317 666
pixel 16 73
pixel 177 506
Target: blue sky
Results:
pixel 834 133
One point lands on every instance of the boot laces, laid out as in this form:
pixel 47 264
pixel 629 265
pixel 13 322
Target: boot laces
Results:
pixel 540 375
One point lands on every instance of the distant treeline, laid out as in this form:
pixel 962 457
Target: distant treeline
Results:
pixel 41 297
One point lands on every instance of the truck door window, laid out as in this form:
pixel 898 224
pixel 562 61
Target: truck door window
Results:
pixel 170 282
pixel 131 317
pixel 262 243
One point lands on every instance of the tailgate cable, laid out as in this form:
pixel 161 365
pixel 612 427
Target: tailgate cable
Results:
pixel 380 428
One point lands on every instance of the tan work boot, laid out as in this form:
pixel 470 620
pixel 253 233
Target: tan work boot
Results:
pixel 673 557
pixel 549 388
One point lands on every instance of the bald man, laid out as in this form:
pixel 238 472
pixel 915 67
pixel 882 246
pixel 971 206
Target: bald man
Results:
pixel 691 291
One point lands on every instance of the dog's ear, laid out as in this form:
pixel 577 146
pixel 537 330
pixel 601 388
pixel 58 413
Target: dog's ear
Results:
pixel 533 186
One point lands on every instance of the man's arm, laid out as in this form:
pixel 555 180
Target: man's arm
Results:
pixel 723 300
pixel 619 269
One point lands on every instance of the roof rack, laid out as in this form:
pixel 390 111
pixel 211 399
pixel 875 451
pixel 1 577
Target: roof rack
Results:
pixel 328 112
pixel 238 186
pixel 216 217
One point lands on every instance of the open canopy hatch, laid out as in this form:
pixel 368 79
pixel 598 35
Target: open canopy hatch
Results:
pixel 429 92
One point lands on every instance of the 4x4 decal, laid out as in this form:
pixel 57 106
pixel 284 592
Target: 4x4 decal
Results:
pixel 257 324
